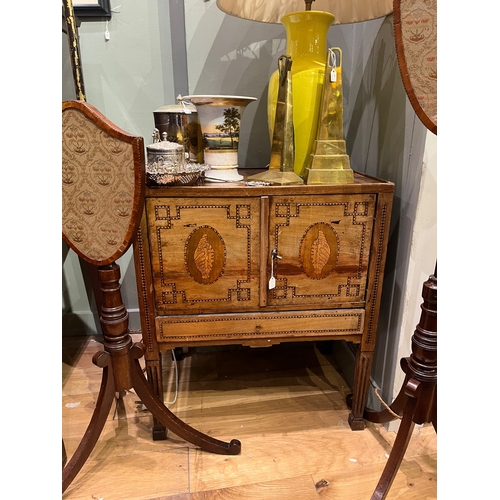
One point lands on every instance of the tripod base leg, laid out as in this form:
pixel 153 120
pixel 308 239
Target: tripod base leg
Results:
pixel 64 455
pixel 400 444
pixel 169 420
pixel 96 425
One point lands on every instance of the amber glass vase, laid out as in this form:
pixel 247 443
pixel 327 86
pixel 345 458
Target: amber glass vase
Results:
pixel 306 34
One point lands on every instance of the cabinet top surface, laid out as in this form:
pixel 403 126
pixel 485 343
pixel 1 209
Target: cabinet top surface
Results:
pixel 362 184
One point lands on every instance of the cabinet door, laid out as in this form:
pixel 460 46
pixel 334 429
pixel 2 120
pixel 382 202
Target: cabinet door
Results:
pixel 323 244
pixel 204 253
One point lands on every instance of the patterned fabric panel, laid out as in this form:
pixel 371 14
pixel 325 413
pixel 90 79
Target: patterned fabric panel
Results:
pixel 98 187
pixel 419 40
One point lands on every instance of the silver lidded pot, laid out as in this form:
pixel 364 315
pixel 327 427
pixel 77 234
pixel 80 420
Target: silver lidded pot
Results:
pixel 180 124
pixel 167 164
pixel 164 157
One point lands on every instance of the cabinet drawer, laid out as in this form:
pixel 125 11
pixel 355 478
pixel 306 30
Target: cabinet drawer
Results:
pixel 204 253
pixel 241 328
pixel 324 248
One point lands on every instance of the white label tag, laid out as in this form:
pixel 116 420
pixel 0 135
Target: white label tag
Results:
pixel 272 283
pixel 333 64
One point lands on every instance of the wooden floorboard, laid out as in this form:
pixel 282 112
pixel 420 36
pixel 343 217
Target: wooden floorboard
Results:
pixel 285 403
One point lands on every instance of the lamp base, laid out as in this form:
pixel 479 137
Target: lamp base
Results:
pixel 338 176
pixel 276 177
pixel 330 164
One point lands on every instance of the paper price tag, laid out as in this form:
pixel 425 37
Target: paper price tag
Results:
pixel 272 283
pixel 333 64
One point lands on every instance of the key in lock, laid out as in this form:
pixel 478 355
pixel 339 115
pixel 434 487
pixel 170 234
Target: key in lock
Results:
pixel 272 280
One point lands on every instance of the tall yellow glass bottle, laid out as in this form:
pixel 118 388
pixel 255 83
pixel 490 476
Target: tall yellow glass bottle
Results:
pixel 306 34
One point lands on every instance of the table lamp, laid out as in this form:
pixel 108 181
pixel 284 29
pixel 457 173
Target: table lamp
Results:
pixel 306 32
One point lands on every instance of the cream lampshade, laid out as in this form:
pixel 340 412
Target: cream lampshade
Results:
pixel 306 32
pixel 271 11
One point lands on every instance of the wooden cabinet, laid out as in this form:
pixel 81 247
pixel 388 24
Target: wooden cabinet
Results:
pixel 224 264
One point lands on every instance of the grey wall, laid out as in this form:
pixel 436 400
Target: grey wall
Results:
pixel 126 78
pixel 158 49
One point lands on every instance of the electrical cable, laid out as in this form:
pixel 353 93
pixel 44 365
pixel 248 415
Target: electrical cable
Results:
pixel 174 359
pixel 176 380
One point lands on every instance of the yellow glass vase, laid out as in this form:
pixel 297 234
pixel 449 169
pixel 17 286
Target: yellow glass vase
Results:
pixel 306 34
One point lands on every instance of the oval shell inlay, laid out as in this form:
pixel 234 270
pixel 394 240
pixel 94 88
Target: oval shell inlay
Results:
pixel 205 255
pixel 319 251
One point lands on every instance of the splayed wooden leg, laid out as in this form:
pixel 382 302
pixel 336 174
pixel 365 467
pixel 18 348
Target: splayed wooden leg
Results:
pixel 96 425
pixel 122 372
pixel 417 400
pixel 400 444
pixel 169 420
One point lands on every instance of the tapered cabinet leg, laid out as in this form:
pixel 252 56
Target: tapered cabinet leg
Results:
pixel 154 376
pixel 362 370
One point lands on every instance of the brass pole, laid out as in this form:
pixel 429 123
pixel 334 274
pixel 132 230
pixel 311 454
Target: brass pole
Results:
pixel 74 49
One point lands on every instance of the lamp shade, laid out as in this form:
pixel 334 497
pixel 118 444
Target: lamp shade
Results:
pixel 271 11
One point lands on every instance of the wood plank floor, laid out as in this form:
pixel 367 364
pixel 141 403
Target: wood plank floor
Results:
pixel 286 404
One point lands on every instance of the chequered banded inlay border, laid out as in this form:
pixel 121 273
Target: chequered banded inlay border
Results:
pixel 170 324
pixel 143 297
pixel 376 279
pixel 172 295
pixel 359 209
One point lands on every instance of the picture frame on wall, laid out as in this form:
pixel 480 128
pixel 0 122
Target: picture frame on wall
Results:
pixel 92 8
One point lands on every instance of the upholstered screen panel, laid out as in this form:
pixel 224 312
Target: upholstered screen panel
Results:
pixel 100 199
pixel 415 28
